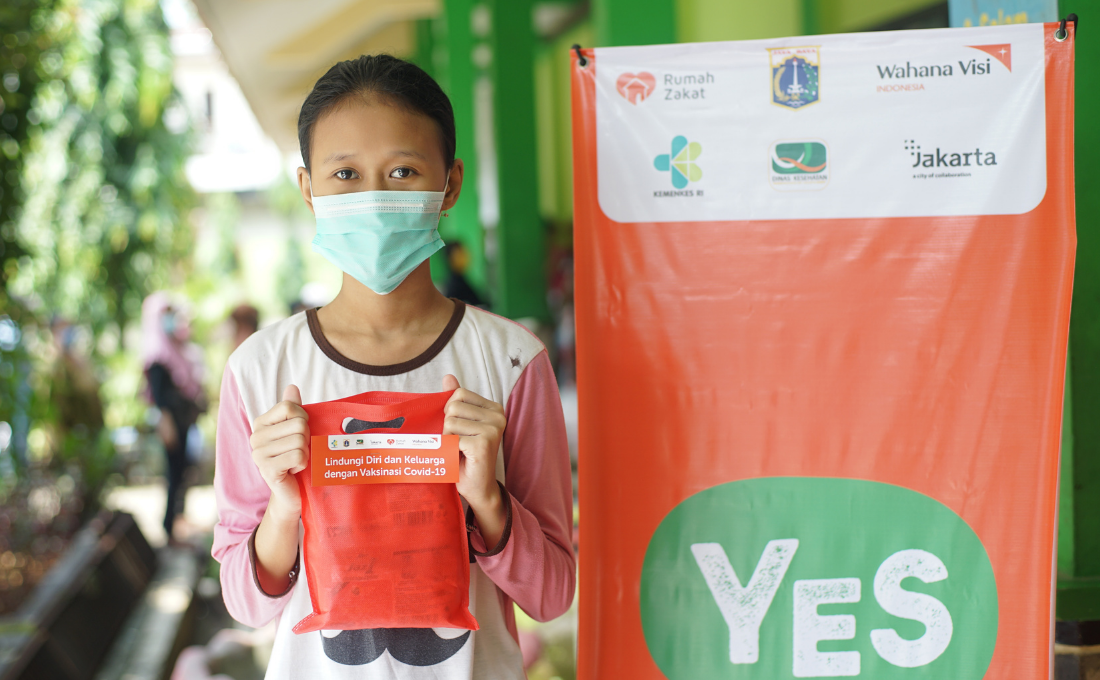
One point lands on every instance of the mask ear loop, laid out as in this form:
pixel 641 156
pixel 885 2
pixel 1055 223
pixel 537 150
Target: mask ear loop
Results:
pixel 445 187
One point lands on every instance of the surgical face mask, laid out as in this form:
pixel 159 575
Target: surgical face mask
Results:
pixel 378 237
pixel 168 323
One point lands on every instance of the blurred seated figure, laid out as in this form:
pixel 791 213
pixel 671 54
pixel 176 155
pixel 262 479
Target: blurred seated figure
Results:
pixel 456 285
pixel 74 391
pixel 246 321
pixel 173 370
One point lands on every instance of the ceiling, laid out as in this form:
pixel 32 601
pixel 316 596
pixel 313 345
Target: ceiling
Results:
pixel 276 49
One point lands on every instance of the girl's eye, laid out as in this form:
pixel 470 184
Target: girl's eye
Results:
pixel 401 173
pixel 346 174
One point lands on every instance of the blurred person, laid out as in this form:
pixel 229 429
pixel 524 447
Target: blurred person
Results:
pixel 378 143
pixel 456 286
pixel 246 321
pixel 173 371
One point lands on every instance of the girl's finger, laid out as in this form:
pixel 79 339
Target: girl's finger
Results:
pixel 468 397
pixel 291 461
pixel 294 442
pixel 467 428
pixel 468 411
pixel 284 410
pixel 270 433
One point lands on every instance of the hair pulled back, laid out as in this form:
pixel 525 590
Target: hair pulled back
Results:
pixel 397 80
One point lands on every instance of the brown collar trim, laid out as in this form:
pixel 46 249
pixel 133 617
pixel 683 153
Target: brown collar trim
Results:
pixel 393 369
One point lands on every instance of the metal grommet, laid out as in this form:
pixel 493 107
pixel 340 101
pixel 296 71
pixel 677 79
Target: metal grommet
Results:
pixel 1060 33
pixel 581 59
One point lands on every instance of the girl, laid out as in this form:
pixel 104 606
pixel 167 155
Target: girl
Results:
pixel 372 127
pixel 173 373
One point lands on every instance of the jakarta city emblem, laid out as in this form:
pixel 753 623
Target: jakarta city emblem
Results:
pixel 796 76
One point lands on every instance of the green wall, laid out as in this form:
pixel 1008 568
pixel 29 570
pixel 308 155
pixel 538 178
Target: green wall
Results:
pixel 715 20
pixel 1079 502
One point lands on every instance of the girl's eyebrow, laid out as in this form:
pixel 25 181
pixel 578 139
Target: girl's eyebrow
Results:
pixel 343 156
pixel 339 156
pixel 414 154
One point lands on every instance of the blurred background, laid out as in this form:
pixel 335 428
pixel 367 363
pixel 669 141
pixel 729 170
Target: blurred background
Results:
pixel 149 148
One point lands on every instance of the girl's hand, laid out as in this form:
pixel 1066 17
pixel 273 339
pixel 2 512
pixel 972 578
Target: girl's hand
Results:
pixel 280 448
pixel 166 428
pixel 480 424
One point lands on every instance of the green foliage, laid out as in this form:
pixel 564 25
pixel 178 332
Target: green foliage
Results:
pixel 94 210
pixel 106 199
pixel 21 46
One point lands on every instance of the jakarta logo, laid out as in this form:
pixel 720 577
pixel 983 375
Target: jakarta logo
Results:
pixel 796 73
pixel 793 577
pixel 635 87
pixel 681 162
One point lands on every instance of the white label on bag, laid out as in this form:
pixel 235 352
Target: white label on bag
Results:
pixel 349 442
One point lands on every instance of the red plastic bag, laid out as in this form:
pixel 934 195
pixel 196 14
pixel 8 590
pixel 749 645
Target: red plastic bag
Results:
pixel 384 555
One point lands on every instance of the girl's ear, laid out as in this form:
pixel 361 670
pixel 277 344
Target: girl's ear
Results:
pixel 454 185
pixel 304 186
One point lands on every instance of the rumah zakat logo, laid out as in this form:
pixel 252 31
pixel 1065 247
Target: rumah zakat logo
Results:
pixel 635 87
pixel 681 162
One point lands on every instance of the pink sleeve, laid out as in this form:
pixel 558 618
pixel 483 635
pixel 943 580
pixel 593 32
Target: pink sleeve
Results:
pixel 537 567
pixel 242 497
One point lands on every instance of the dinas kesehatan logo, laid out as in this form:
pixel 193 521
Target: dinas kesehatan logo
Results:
pixel 635 87
pixel 796 75
pixel 780 577
pixel 681 162
pixel 802 164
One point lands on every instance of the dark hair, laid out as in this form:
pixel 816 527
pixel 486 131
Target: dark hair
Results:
pixel 246 316
pixel 401 82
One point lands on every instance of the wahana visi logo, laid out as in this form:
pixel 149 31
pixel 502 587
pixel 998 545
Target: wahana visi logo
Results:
pixel 681 162
pixel 636 87
pixel 962 67
pixel 796 76
pixel 975 158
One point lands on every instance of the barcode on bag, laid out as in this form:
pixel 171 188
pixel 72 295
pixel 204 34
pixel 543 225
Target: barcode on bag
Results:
pixel 413 518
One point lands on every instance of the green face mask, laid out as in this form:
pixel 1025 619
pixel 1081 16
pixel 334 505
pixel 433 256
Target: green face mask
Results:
pixel 378 237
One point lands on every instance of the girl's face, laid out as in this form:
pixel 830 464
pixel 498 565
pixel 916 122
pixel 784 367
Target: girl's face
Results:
pixel 371 145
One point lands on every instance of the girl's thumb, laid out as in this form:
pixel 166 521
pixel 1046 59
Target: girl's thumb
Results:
pixel 292 395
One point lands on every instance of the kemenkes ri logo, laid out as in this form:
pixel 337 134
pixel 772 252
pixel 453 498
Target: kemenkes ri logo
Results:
pixel 681 162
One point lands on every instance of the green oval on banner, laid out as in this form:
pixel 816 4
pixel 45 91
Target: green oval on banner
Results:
pixel 796 577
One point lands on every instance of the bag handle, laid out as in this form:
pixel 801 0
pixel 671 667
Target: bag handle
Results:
pixel 352 425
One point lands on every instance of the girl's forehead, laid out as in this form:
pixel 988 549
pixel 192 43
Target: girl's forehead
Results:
pixel 372 125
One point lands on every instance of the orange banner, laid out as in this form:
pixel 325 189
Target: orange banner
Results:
pixel 337 460
pixel 820 379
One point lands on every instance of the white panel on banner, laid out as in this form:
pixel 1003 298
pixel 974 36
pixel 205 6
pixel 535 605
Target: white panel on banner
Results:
pixel 899 124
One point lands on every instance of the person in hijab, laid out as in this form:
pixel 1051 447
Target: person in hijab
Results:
pixel 173 371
